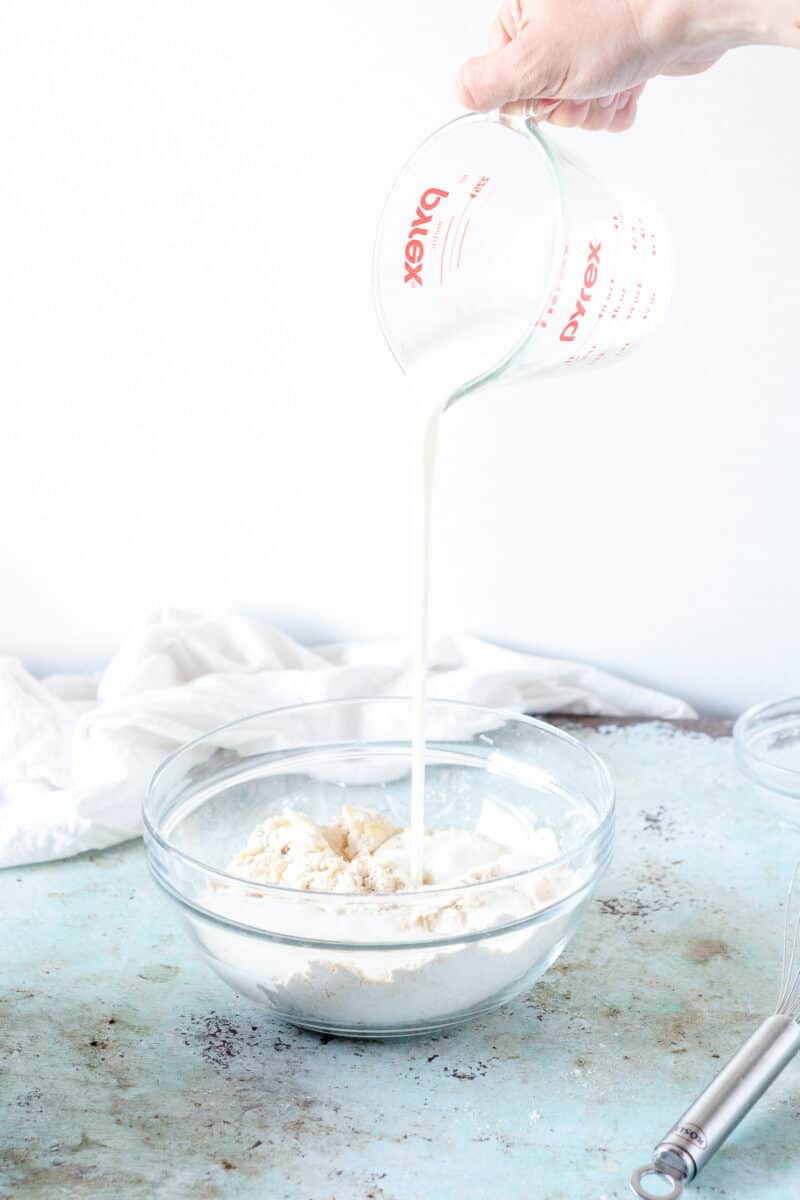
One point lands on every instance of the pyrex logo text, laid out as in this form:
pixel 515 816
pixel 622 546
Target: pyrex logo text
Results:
pixel 415 247
pixel 589 280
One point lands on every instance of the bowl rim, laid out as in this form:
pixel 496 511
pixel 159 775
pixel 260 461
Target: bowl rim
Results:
pixel 601 829
pixel 747 724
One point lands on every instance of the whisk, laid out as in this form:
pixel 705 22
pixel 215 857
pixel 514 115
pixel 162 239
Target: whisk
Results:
pixel 684 1151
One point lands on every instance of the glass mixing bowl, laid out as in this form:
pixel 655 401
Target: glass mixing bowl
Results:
pixel 767 741
pixel 396 963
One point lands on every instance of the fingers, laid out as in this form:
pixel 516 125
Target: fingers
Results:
pixel 624 116
pixel 505 25
pixel 505 76
pixel 625 113
pixel 570 113
pixel 498 36
pixel 613 113
pixel 493 79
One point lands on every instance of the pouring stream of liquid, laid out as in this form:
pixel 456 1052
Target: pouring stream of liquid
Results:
pixel 430 407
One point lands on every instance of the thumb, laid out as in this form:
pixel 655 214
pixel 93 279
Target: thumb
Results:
pixel 493 79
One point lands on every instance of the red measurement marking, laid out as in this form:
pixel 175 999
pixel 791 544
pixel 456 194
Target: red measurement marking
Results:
pixel 461 243
pixel 444 245
pixel 461 216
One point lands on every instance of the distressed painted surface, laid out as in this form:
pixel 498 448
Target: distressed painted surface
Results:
pixel 130 1071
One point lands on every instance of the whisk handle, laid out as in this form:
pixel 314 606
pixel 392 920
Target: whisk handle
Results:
pixel 705 1125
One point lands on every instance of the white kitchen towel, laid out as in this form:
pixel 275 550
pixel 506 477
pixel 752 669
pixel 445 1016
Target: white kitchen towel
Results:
pixel 77 752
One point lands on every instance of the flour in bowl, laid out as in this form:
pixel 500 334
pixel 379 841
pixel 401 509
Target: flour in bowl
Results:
pixel 364 852
pixel 339 939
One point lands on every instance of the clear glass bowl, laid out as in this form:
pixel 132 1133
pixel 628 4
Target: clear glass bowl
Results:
pixel 767 741
pixel 392 964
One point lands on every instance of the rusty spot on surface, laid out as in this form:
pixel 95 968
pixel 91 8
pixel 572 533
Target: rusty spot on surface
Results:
pixel 67 1178
pixel 565 968
pixel 219 1040
pixel 659 823
pixel 656 889
pixel 159 973
pixel 679 1028
pixel 86 1143
pixel 228 1166
pixel 31 1100
pixel 623 906
pixel 479 1069
pixel 702 950
pixel 711 727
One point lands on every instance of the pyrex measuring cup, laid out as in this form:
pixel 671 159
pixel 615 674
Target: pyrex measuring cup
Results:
pixel 499 256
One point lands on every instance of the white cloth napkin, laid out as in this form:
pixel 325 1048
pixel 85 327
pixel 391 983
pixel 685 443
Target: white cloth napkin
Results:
pixel 77 752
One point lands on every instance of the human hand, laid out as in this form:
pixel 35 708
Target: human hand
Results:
pixel 586 62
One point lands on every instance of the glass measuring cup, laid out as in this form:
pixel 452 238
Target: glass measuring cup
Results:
pixel 498 256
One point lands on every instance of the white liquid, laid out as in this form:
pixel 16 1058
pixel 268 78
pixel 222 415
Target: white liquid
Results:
pixel 436 377
pixel 424 462
pixel 432 394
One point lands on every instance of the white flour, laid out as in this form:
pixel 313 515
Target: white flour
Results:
pixel 409 984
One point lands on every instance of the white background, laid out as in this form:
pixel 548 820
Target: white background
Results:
pixel 197 406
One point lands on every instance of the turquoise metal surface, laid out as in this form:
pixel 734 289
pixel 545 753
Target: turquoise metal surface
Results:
pixel 130 1071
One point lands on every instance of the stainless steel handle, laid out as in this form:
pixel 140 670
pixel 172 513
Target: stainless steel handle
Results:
pixel 705 1125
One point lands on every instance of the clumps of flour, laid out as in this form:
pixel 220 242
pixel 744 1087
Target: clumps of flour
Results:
pixel 364 852
pixel 292 850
